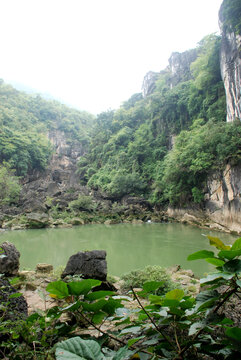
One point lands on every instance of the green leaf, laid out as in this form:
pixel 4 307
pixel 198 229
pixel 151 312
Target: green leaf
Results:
pixel 195 327
pixel 152 286
pixel 123 353
pixel 202 254
pixel 155 299
pixel 98 295
pixel 132 329
pixel 226 321
pixel 187 304
pixel 72 307
pixel 15 295
pixel 111 305
pixel 152 341
pixel 229 254
pixel 233 266
pixel 236 245
pixel 78 349
pixel 234 333
pixel 206 299
pixel 176 294
pixel 98 317
pixel 58 288
pixel 215 276
pixel 174 310
pixel 133 341
pixel 170 302
pixel 215 261
pixel 93 307
pixel 214 241
pixel 14 281
pixel 82 287
pixel 126 321
pixel 238 282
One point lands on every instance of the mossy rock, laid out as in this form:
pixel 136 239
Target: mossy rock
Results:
pixel 77 221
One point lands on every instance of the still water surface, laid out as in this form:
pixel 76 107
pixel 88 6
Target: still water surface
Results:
pixel 128 246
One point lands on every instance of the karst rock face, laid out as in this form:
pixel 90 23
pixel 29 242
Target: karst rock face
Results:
pixel 223 203
pixel 58 179
pixel 149 83
pixel 179 66
pixel 231 68
pixel 178 69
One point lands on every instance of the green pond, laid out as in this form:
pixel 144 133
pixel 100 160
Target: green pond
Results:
pixel 128 246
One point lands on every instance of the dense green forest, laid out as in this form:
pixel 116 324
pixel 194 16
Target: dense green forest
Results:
pixel 131 149
pixel 25 122
pixel 161 147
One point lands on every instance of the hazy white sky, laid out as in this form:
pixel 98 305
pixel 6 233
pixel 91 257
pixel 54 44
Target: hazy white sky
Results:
pixel 93 54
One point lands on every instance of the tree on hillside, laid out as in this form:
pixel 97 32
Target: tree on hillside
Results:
pixel 9 186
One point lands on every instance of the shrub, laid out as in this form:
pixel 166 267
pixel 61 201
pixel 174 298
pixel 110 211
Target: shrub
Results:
pixel 9 186
pixel 84 203
pixel 137 278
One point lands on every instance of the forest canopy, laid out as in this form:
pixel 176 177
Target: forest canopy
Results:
pixel 161 147
pixel 165 145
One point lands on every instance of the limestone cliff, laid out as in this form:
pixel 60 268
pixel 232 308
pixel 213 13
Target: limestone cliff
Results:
pixel 148 85
pixel 178 69
pixel 231 68
pixel 60 181
pixel 179 65
pixel 222 209
pixel 223 199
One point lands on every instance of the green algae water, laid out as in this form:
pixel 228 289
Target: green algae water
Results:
pixel 128 246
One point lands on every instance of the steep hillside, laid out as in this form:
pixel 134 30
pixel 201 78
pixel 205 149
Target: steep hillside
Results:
pixel 164 146
pixel 36 135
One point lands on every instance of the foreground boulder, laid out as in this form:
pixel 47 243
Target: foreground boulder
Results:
pixel 88 264
pixel 9 259
pixel 13 306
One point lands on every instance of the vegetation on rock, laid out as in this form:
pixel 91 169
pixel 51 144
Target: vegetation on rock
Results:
pixel 230 14
pixel 164 146
pixel 27 121
pixel 9 186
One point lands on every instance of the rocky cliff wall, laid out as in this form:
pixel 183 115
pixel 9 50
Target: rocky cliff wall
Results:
pixel 231 68
pixel 231 73
pixel 178 68
pixel 223 199
pixel 60 181
pixel 148 85
pixel 222 209
pixel 179 65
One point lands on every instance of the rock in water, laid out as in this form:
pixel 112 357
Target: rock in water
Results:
pixel 44 268
pixel 88 264
pixel 9 259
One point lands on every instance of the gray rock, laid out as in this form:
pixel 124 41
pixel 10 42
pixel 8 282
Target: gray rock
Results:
pixel 88 264
pixel 9 259
pixel 148 85
pixel 37 220
pixel 34 205
pixel 179 65
pixel 230 61
pixel 44 268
